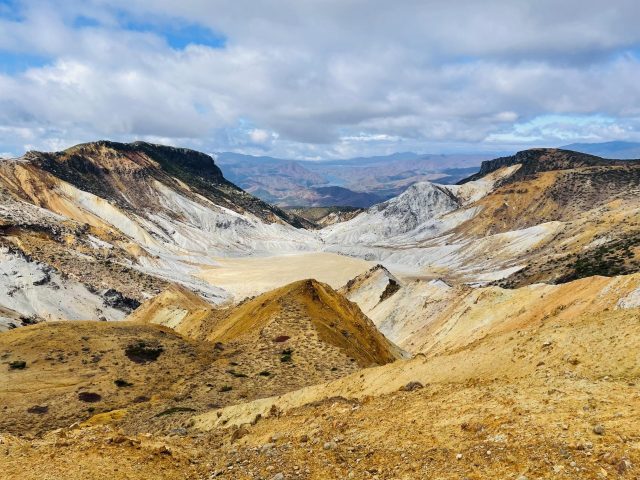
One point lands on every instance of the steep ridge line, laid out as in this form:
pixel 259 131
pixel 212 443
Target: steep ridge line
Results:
pixel 537 160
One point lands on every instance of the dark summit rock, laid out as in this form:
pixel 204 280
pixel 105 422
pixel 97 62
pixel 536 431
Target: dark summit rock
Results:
pixel 123 173
pixel 538 160
pixel 114 299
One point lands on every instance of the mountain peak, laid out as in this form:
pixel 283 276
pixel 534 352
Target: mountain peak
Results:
pixel 537 160
pixel 116 155
pixel 303 310
pixel 124 172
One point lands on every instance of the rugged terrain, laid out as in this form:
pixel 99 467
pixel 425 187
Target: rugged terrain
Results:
pixel 357 182
pixel 488 329
pixel 178 354
pixel 113 224
pixel 325 216
pixel 543 215
pixel 119 222
pixel 554 398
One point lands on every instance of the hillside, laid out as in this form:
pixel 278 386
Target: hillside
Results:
pixel 74 370
pixel 325 216
pixel 109 170
pixel 539 160
pixel 298 335
pixel 425 316
pixel 540 402
pixel 304 317
pixel 231 363
pixel 120 222
pixel 556 397
pixel 543 215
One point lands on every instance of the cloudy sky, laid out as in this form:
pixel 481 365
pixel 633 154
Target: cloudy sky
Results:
pixel 319 78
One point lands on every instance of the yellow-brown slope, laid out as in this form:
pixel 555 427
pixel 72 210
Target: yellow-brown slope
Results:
pixel 303 310
pixel 597 205
pixel 176 308
pixel 74 370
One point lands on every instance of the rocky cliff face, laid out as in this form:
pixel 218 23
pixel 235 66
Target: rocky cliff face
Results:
pixel 421 203
pixel 118 172
pixel 544 160
pixel 540 215
pixel 129 219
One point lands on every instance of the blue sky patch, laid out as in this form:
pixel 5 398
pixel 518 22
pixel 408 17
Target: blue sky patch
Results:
pixel 12 63
pixel 177 34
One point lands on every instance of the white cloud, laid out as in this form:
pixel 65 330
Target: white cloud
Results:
pixel 330 78
pixel 259 136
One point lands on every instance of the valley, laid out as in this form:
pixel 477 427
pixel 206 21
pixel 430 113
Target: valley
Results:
pixel 249 276
pixel 160 322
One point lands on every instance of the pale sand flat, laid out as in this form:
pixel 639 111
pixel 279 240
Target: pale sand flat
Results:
pixel 245 277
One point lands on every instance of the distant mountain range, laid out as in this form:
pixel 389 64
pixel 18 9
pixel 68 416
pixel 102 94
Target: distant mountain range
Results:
pixel 364 181
pixel 617 150
pixel 356 182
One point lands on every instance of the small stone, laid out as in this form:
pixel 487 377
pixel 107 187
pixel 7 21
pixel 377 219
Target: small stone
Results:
pixel 498 438
pixel 598 430
pixel 411 386
pixel 278 476
pixel 522 477
pixel 623 466
pixel 304 438
pixel 330 445
pixel 459 456
pixel 163 450
pixel 266 447
pixel 239 433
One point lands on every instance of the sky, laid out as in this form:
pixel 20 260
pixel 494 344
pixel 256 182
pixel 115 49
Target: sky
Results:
pixel 319 78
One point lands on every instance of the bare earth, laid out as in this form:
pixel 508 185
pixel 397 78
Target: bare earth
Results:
pixel 245 277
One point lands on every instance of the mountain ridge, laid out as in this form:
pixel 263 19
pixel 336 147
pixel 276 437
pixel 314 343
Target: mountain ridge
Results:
pixel 539 160
pixel 88 165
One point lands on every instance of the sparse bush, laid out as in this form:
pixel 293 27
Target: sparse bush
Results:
pixel 89 397
pixel 286 355
pixel 140 352
pixel 38 409
pixel 17 365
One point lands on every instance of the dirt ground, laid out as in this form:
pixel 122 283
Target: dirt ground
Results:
pixel 245 277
